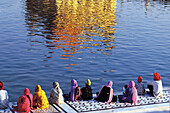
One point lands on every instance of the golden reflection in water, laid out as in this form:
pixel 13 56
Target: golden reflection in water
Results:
pixel 72 25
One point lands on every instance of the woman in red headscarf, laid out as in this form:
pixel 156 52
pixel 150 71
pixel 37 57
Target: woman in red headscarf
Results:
pixel 3 97
pixel 155 87
pixel 24 103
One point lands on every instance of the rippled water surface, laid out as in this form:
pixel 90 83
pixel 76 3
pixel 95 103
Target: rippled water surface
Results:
pixel 58 40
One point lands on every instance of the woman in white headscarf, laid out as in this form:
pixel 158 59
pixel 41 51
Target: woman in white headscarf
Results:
pixel 56 95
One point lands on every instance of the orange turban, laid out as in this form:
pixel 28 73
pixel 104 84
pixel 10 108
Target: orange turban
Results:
pixel 157 76
pixel 139 79
pixel 1 85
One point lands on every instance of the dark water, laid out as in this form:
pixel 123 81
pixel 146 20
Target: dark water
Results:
pixel 58 40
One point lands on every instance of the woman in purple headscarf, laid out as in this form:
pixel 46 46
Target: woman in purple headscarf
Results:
pixel 130 94
pixel 106 93
pixel 74 93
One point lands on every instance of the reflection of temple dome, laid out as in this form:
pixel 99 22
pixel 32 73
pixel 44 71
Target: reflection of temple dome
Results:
pixel 72 25
pixel 91 16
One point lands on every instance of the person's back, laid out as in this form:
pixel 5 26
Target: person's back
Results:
pixel 3 97
pixel 140 86
pixel 24 103
pixel 87 91
pixel 106 93
pixel 157 85
pixel 157 88
pixel 40 100
pixel 131 93
pixel 56 95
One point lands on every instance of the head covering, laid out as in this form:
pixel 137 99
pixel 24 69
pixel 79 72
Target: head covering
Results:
pixel 37 88
pixel 26 91
pixel 157 76
pixel 72 89
pixel 56 88
pixel 109 84
pixel 74 83
pixel 131 84
pixel 1 85
pixel 139 79
pixel 88 82
pixel 55 85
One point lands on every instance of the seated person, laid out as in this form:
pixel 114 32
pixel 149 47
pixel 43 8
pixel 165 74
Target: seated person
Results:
pixel 3 97
pixel 106 93
pixel 87 91
pixel 130 95
pixel 24 103
pixel 74 93
pixel 40 100
pixel 140 86
pixel 56 95
pixel 155 87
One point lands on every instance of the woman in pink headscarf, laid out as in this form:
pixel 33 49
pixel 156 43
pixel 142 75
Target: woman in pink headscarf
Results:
pixel 130 94
pixel 106 93
pixel 24 103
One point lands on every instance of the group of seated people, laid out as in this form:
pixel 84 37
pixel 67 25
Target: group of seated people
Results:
pixel 39 100
pixel 130 94
pixel 26 102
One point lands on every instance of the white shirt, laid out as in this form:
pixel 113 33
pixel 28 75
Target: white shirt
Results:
pixel 3 99
pixel 157 88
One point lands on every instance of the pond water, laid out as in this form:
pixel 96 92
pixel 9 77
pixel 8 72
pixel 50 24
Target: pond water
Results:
pixel 58 40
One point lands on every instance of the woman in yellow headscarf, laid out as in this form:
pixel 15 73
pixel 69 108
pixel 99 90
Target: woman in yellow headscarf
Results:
pixel 40 100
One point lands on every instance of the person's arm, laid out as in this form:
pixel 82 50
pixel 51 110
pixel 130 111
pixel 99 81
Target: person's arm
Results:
pixel 19 100
pixel 7 99
pixel 79 92
pixel 143 88
pixel 71 94
pixel 110 96
pixel 31 98
pixel 91 93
